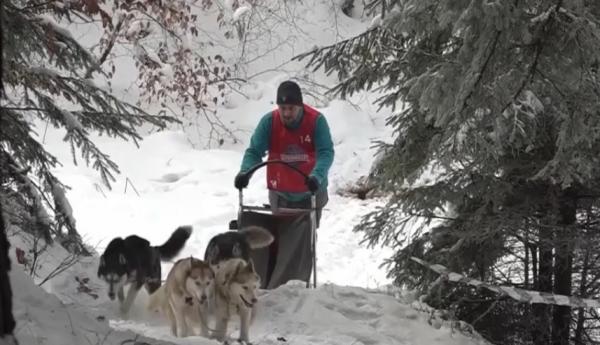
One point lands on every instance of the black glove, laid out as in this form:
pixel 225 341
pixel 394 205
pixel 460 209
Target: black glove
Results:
pixel 312 183
pixel 241 180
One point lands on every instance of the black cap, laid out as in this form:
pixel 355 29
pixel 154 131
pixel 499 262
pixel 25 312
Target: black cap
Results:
pixel 289 92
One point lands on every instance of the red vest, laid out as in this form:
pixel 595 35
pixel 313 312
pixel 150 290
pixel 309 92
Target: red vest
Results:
pixel 295 146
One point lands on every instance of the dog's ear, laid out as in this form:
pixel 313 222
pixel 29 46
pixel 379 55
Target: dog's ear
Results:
pixel 122 259
pixel 212 254
pixel 191 264
pixel 236 251
pixel 238 269
pixel 250 266
pixel 212 272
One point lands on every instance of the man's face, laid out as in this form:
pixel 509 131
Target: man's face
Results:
pixel 289 113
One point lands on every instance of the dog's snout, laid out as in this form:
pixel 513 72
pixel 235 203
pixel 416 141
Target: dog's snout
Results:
pixel 203 298
pixel 111 295
pixel 254 300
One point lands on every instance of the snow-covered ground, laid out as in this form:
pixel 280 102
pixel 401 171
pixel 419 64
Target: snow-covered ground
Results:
pixel 172 180
pixel 72 309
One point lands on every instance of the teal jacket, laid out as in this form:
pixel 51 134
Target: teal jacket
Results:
pixel 259 146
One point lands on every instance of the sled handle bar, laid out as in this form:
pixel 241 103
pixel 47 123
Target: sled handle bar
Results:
pixel 274 161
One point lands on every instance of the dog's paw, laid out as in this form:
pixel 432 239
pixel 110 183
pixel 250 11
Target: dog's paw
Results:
pixel 222 340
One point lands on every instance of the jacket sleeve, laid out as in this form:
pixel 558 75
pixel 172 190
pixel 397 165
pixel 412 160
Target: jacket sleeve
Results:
pixel 259 143
pixel 324 149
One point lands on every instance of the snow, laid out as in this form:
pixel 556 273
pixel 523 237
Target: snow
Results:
pixel 229 3
pixel 534 102
pixel 542 17
pixel 377 21
pixel 51 22
pixel 166 73
pixel 175 179
pixel 73 309
pixel 71 121
pixel 44 319
pixel 105 8
pixel 45 71
pixel 240 12
pixel 134 29
pixel 60 198
pixel 330 315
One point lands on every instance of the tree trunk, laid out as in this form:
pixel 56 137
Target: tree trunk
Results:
pixel 582 292
pixel 581 312
pixel 562 285
pixel 527 261
pixel 563 269
pixel 7 321
pixel 541 328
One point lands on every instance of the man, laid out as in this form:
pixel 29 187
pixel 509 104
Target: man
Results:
pixel 297 134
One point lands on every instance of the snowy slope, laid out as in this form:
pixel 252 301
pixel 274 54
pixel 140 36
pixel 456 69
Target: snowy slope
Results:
pixel 80 313
pixel 178 184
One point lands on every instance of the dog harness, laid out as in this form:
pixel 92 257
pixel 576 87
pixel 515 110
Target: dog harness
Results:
pixel 294 146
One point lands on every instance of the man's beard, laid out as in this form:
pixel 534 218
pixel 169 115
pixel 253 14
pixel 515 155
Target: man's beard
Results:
pixel 288 121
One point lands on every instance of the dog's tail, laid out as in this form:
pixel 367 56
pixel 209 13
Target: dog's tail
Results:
pixel 175 243
pixel 257 237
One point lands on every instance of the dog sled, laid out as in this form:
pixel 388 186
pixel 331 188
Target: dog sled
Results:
pixel 292 255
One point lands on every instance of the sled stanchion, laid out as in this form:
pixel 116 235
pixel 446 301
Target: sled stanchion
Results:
pixel 313 236
pixel 241 207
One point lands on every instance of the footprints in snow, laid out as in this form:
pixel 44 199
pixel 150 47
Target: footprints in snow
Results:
pixel 349 304
pixel 173 177
pixel 354 306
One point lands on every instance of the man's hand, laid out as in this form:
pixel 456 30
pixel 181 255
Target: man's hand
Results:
pixel 241 180
pixel 312 183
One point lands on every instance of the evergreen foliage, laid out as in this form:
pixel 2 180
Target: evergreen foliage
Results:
pixel 495 166
pixel 48 75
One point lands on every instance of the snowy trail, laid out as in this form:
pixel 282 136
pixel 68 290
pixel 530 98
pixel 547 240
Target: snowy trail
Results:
pixel 329 315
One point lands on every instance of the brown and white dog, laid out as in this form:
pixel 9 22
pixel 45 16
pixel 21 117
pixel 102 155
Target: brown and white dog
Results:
pixel 185 296
pixel 235 294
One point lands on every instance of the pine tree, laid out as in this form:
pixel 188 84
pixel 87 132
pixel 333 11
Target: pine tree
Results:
pixel 47 74
pixel 7 320
pixel 496 158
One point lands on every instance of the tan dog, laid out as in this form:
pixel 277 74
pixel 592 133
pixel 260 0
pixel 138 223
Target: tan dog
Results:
pixel 185 295
pixel 236 286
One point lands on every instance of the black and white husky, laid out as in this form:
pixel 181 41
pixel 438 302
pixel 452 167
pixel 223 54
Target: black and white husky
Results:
pixel 236 244
pixel 134 261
